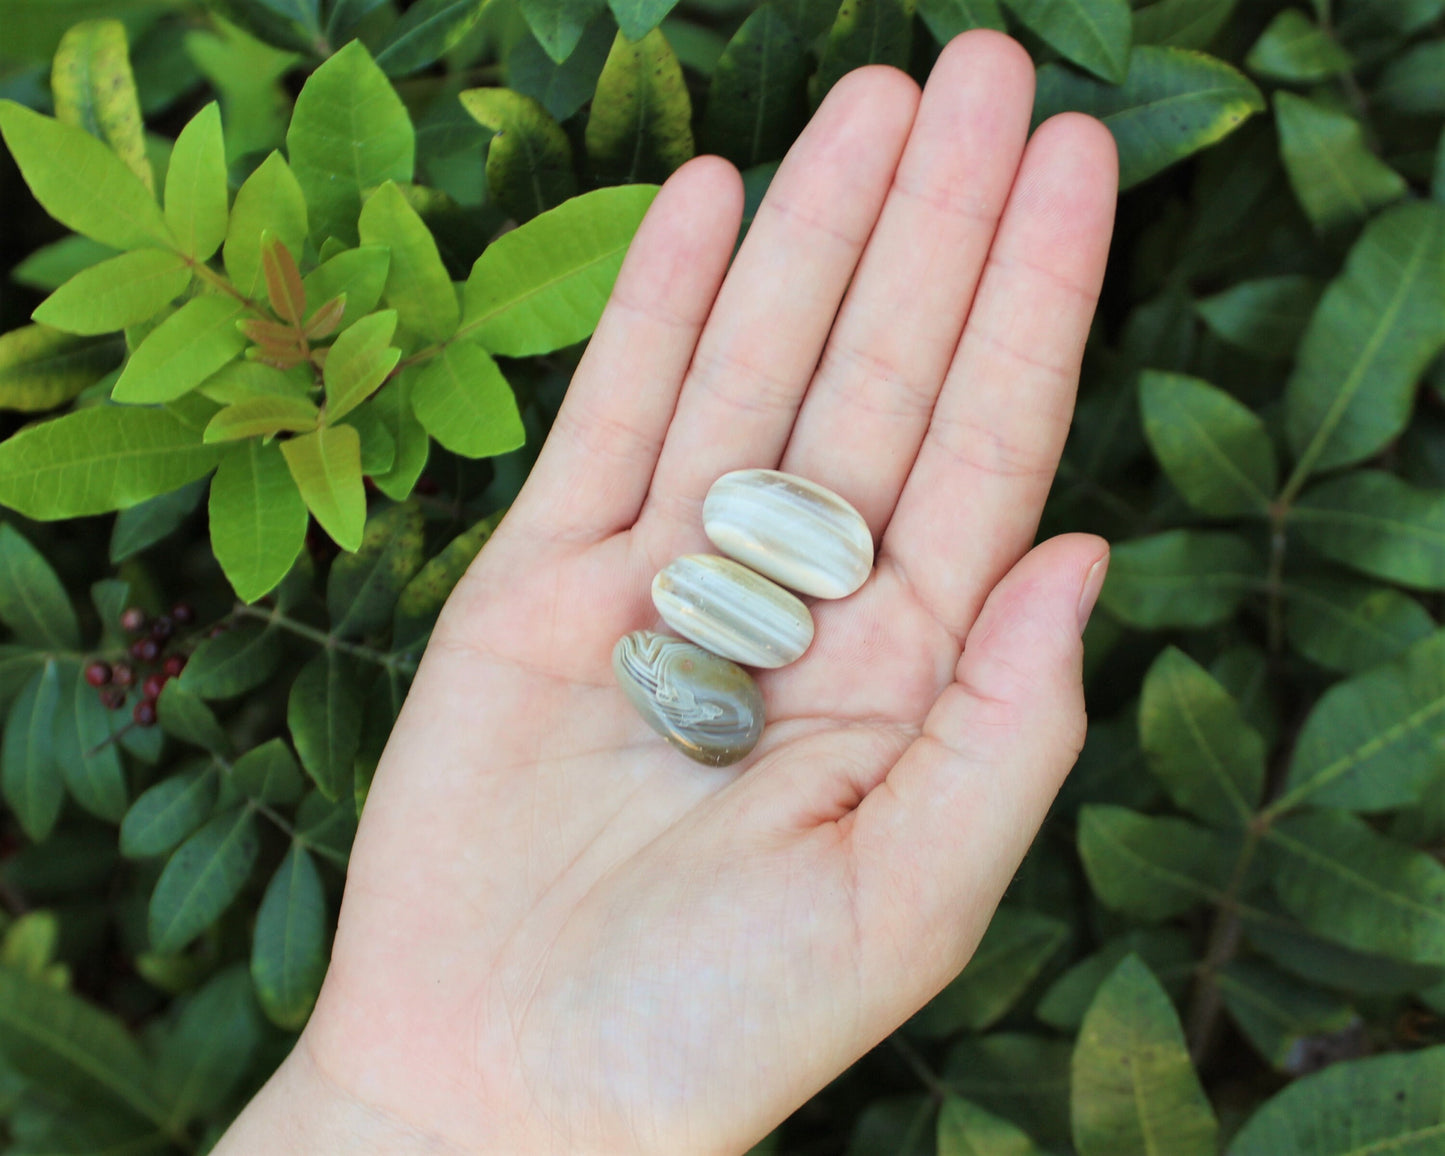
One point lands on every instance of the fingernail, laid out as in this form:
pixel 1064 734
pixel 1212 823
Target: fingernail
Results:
pixel 1093 583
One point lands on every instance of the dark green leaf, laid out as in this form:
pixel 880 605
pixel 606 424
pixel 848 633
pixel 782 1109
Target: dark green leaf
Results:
pixel 142 526
pixel 288 958
pixel 1278 1014
pixel 1168 953
pixel 324 714
pixel 85 746
pixel 640 128
pixel 185 715
pixel 362 589
pixel 33 603
pixel 561 88
pixel 1373 522
pixel 1179 578
pixel 558 25
pixel 268 774
pixel 233 662
pixel 1414 82
pixel 1320 961
pixel 1266 317
pixel 1351 626
pixel 325 827
pixel 1094 34
pixel 1181 23
pixel 421 601
pixel 894 1126
pixel 1295 49
pixel 529 161
pixel 426 31
pixel 864 32
pixel 51 266
pixel 31 777
pixel 201 879
pixel 167 813
pixel 1150 867
pixel 947 18
pixel 1335 175
pixel 758 100
pixel 965 1129
pixel 41 368
pixel 1022 1078
pixel 206 1054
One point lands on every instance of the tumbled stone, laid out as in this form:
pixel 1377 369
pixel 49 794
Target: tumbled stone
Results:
pixel 733 612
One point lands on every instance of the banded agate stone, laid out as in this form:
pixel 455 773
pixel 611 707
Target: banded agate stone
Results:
pixel 794 531
pixel 733 612
pixel 707 707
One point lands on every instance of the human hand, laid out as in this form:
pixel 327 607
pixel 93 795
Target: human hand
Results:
pixel 558 934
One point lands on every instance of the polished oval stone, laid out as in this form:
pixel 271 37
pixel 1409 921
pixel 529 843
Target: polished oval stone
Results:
pixel 707 707
pixel 723 606
pixel 792 530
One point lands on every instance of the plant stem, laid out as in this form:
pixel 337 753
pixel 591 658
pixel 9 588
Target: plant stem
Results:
pixel 1223 943
pixel 1274 579
pixel 916 1063
pixel 400 662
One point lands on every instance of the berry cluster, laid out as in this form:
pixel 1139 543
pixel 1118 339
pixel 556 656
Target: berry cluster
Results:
pixel 150 668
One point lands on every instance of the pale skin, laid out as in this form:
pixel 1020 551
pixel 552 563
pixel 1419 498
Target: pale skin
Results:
pixel 558 934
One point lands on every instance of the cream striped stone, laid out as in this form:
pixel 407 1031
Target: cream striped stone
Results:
pixel 725 607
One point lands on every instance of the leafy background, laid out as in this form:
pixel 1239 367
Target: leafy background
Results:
pixel 338 258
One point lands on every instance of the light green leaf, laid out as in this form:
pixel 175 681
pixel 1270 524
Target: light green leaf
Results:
pixel 426 31
pixel 947 18
pixel 94 89
pixel 1014 949
pixel 1189 578
pixel 258 522
pixel 247 380
pixel 167 813
pixel 1168 952
pixel 185 716
pixel 1135 1092
pixel 1414 81
pixel 964 1129
pixel 758 100
pixel 391 409
pixel 422 599
pixel 1334 174
pixel 1094 34
pixel 1277 1013
pixel 271 201
pixel 1182 23
pixel 463 401
pixel 1377 327
pixel 542 286
pixel 269 775
pixel 1373 742
pixel 863 32
pixel 41 368
pixel 362 589
pixel 182 351
pixel 1348 884
pixel 80 182
pixel 640 128
pixel 1376 523
pixel 201 879
pixel 51 266
pixel 1351 626
pixel 1172 104
pixel 529 161
pixel 349 133
pixel 1385 1104
pixel 324 714
pixel 196 193
pixel 418 286
pixel 86 747
pixel 1266 317
pixel 1197 743
pixel 359 273
pixel 1150 867
pixel 33 787
pixel 33 603
pixel 359 362
pixel 1214 449
pixel 378 446
pixel 205 1056
pixel 1295 49
pixel 262 417
pixel 288 957
pixel 558 24
pixel 326 466
pixel 121 291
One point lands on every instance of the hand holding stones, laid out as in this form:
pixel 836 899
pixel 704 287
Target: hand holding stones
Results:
pixel 787 529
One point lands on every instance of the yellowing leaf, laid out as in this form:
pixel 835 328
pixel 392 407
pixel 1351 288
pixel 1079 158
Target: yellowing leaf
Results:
pixel 94 88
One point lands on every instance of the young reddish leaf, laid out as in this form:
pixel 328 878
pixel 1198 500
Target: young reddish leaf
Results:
pixel 324 321
pixel 264 332
pixel 283 283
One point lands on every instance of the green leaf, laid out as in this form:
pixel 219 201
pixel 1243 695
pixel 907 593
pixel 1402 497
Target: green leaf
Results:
pixel 1266 317
pixel 1334 174
pixel 1189 578
pixel 543 286
pixel 1295 49
pixel 529 161
pixel 1135 1092
pixel 562 88
pixel 324 714
pixel 426 31
pixel 33 603
pixel 1013 951
pixel 359 362
pixel 558 24
pixel 326 466
pixel 362 589
pixel 258 519
pixel 184 715
pixel 202 878
pixel 85 747
pixel 1172 104
pixel 965 1129
pixel 423 597
pixel 196 192
pixel 894 1126
pixel 1150 867
pixel 947 18
pixel 288 958
pixel 463 401
pixel 167 813
pixel 1167 951
pixel 1197 743
pixel 80 182
pixel 1384 1104
pixel 51 266
pixel 246 75
pixel 1320 961
pixel 418 286
pixel 1215 450
pixel 640 128
pixel 358 273
pixel 1378 524
pixel 247 380
pixel 269 775
pixel 121 291
pixel 182 351
pixel 1414 81
pixel 99 459
pixel 1278 1014
pixel 41 368
pixel 1377 327
pixel 94 89
pixel 1351 626
pixel 1094 34
pixel 324 826
pixel 262 417
pixel 1182 23
pixel 638 18
pixel 1348 884
pixel 349 133
pixel 863 32
pixel 1372 743
pixel 391 409
pixel 31 778
pixel 233 662
pixel 1024 1079
pixel 271 201
pixel 758 100
pixel 203 1059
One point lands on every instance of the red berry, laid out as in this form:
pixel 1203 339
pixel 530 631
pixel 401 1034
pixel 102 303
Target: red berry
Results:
pixel 174 664
pixel 133 620
pixel 144 713
pixel 161 627
pixel 122 675
pixel 98 673
pixel 145 649
pixel 112 699
pixel 182 613
pixel 153 685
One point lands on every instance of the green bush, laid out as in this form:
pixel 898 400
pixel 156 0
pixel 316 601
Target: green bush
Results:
pixel 299 283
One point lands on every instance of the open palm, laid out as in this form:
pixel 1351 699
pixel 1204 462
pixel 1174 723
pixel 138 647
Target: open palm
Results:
pixel 559 934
